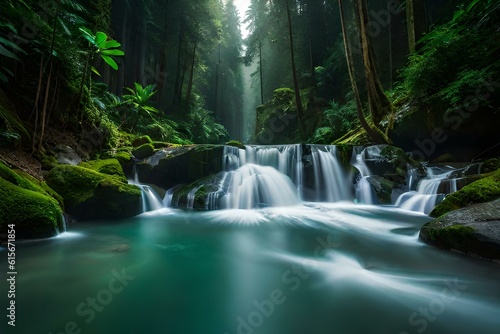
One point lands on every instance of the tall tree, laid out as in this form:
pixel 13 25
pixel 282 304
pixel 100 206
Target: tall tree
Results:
pixel 298 102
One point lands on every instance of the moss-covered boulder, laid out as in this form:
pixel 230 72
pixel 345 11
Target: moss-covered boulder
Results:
pixel 27 205
pixel 203 194
pixel 107 166
pixel 474 230
pixel 89 194
pixel 139 141
pixel 483 190
pixel 143 151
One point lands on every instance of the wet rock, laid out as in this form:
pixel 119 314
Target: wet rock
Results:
pixel 66 155
pixel 474 230
pixel 483 190
pixel 182 165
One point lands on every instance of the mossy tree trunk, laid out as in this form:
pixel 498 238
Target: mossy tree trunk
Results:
pixel 298 102
pixel 375 135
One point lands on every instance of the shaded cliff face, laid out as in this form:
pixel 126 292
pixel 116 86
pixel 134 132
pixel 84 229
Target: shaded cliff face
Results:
pixel 181 165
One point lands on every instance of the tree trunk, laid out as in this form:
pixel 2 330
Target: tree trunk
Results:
pixel 298 102
pixel 44 110
pixel 35 109
pixel 378 102
pixel 191 76
pixel 260 73
pixel 376 137
pixel 178 84
pixel 410 21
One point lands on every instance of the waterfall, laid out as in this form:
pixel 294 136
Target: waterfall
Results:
pixel 364 192
pixel 252 186
pixel 428 191
pixel 150 200
pixel 331 183
pixel 284 175
pixel 363 188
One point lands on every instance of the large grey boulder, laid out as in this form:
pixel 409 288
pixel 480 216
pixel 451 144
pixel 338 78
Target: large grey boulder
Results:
pixel 473 230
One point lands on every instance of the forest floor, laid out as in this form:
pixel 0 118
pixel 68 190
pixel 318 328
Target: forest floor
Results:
pixel 21 157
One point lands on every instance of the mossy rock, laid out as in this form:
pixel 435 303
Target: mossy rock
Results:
pixel 235 143
pixel 33 211
pixel 480 191
pixel 473 230
pixel 47 161
pixel 457 237
pixel 89 194
pixel 107 166
pixel 382 189
pixel 202 188
pixel 490 165
pixel 144 151
pixel 161 144
pixel 141 141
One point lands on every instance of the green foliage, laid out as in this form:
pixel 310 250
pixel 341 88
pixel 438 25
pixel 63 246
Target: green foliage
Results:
pixel 8 50
pixel 139 99
pixel 323 135
pixel 12 129
pixel 337 120
pixel 457 57
pixel 103 46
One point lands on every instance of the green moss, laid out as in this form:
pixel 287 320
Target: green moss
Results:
pixel 89 194
pixel 235 143
pixel 35 213
pixel 144 151
pixel 141 141
pixel 48 161
pixel 43 186
pixel 161 144
pixel 107 166
pixel 454 236
pixel 483 190
pixel 490 165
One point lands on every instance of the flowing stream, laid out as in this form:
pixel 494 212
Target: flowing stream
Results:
pixel 275 261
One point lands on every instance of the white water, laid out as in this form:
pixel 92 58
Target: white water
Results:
pixel 427 194
pixel 263 176
pixel 252 186
pixel 331 181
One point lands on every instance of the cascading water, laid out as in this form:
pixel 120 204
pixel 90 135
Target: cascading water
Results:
pixel 284 175
pixel 253 186
pixel 150 200
pixel 427 194
pixel 363 188
pixel 330 180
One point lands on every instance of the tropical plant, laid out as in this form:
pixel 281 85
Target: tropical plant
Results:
pixel 139 98
pixel 103 46
pixel 7 49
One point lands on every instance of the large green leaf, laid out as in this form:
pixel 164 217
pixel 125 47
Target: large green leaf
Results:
pixel 11 44
pixel 88 35
pixel 110 44
pixel 7 53
pixel 113 52
pixel 110 61
pixel 100 38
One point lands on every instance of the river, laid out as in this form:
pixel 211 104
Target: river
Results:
pixel 311 268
